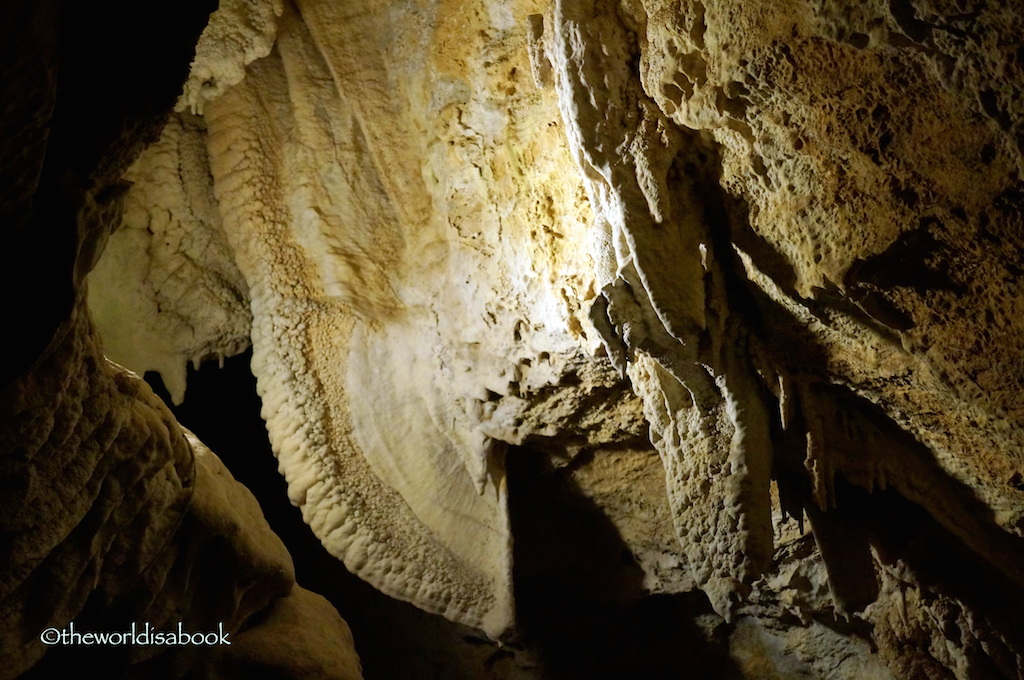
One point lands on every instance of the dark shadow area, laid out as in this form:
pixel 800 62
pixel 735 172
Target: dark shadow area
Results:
pixel 581 604
pixel 222 408
pixel 941 562
pixel 954 582
pixel 943 540
pixel 57 59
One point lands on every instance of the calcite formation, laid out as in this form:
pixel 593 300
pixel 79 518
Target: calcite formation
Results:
pixel 778 242
pixel 115 518
pixel 186 301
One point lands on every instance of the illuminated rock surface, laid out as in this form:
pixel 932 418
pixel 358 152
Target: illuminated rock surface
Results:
pixel 735 285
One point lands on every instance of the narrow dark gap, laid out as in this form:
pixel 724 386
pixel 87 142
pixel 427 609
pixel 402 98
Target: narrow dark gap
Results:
pixel 222 408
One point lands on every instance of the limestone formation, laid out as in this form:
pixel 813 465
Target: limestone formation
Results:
pixel 746 274
pixel 114 518
pixel 186 301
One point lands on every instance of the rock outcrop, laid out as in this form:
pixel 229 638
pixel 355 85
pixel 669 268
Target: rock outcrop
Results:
pixel 776 245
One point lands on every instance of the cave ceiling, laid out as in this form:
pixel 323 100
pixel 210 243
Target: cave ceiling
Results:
pixel 748 272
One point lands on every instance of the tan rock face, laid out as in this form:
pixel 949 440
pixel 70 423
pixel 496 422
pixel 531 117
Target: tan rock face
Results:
pixel 779 240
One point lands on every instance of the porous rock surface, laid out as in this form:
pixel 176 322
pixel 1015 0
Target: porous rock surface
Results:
pixel 780 241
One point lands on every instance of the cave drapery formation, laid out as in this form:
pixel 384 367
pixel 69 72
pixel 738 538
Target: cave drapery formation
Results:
pixel 747 273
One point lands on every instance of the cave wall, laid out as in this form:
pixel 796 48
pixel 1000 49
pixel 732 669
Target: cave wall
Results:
pixel 113 515
pixel 746 273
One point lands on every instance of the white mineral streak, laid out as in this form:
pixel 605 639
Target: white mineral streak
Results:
pixel 712 436
pixel 167 290
pixel 624 150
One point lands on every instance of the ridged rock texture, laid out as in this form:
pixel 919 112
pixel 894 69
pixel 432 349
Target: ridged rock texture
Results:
pixel 772 247
pixel 113 515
